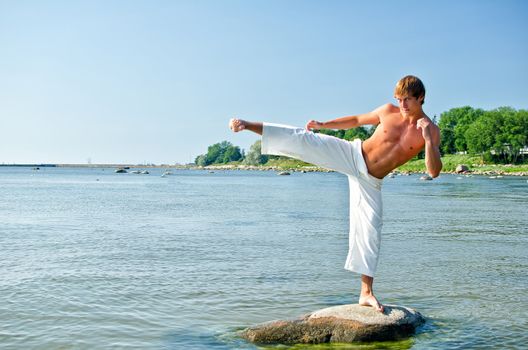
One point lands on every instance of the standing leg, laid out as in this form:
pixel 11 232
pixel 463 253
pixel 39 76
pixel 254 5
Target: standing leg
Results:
pixel 238 125
pixel 367 297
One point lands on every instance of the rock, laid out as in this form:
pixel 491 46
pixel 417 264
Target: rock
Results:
pixel 283 173
pixel 426 178
pixel 461 168
pixel 339 324
pixel 120 171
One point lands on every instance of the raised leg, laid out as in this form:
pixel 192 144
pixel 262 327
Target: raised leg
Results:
pixel 367 297
pixel 238 125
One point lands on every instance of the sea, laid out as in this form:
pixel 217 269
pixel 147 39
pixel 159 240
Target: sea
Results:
pixel 92 259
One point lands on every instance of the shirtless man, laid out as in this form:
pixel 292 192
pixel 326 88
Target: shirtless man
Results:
pixel 401 133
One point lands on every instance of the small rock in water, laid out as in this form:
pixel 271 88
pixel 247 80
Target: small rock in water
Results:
pixel 461 168
pixel 339 324
pixel 426 178
pixel 283 173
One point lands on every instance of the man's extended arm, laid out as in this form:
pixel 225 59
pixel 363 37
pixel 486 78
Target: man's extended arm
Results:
pixel 349 122
pixel 431 135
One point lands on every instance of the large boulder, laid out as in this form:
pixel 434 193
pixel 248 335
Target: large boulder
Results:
pixel 339 324
pixel 461 168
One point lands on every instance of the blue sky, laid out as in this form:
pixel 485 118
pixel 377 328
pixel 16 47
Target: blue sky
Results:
pixel 157 81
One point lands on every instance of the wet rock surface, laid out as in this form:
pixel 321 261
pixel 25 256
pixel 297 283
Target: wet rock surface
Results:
pixel 339 324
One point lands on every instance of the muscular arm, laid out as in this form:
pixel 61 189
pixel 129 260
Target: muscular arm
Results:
pixel 349 122
pixel 431 134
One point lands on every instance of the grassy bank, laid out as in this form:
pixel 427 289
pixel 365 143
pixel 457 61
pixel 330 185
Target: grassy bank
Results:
pixel 450 162
pixel 474 163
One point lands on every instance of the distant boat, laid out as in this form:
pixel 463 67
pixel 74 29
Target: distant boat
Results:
pixel 166 173
pixel 145 172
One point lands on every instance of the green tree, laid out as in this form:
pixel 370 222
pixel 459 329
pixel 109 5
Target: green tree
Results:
pixel 514 133
pixel 200 160
pixel 499 135
pixel 254 156
pixel 215 152
pixel 453 125
pixel 232 153
pixel 480 136
pixel 222 152
pixel 447 141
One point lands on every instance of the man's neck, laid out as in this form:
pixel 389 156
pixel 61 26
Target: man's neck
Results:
pixel 413 118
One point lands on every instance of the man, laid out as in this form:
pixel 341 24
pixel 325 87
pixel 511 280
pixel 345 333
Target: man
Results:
pixel 401 133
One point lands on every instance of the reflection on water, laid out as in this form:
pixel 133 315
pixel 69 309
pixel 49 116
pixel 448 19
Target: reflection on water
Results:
pixel 91 258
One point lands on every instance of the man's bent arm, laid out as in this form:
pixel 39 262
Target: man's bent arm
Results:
pixel 349 122
pixel 433 162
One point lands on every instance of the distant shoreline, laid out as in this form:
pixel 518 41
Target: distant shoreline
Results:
pixel 499 170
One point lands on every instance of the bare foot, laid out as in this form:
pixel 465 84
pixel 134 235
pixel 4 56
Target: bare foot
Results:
pixel 237 124
pixel 370 300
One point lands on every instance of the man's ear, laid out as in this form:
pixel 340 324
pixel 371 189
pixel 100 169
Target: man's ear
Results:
pixel 421 99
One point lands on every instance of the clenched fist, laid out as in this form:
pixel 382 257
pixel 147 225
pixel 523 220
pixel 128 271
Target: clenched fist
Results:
pixel 313 125
pixel 425 124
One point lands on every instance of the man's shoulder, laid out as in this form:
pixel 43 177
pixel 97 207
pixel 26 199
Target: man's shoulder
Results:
pixel 388 108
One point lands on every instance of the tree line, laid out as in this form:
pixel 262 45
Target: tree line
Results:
pixel 499 135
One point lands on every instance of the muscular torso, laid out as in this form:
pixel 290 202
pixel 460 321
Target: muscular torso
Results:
pixel 395 141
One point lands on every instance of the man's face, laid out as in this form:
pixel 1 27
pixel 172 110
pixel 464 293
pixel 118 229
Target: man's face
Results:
pixel 409 105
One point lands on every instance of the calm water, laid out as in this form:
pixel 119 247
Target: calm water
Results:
pixel 92 259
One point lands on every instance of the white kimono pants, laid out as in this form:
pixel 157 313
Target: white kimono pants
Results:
pixel 365 190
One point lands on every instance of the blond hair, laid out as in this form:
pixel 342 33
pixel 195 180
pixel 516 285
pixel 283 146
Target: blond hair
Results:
pixel 410 85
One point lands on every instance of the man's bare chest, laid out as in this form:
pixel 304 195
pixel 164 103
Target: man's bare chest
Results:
pixel 406 136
